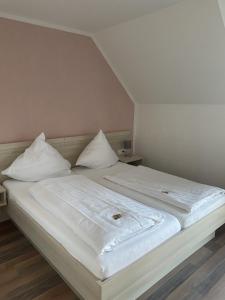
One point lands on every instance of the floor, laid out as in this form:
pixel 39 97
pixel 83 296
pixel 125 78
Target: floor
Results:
pixel 25 275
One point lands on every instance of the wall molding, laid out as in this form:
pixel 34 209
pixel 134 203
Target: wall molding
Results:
pixel 43 24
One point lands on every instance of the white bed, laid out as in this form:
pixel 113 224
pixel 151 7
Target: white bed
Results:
pixel 186 219
pixel 110 262
pixel 133 280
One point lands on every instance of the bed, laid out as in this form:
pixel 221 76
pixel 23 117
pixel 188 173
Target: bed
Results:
pixel 135 277
pixel 111 262
pixel 185 219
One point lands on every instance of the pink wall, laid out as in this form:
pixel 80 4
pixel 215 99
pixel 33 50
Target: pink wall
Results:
pixel 56 82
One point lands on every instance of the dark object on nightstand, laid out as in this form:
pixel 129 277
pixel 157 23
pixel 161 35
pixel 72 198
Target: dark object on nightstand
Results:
pixel 134 160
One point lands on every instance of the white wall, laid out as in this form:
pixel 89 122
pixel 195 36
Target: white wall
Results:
pixel 176 55
pixel 173 64
pixel 185 140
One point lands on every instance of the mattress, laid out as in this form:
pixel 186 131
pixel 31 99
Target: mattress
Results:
pixel 186 219
pixel 102 266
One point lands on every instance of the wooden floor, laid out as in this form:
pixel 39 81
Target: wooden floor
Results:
pixel 25 275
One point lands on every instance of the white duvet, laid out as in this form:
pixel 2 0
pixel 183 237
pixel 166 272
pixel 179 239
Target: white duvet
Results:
pixel 100 217
pixel 179 192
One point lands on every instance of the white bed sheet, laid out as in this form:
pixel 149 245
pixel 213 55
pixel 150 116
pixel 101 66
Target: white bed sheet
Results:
pixel 186 219
pixel 101 266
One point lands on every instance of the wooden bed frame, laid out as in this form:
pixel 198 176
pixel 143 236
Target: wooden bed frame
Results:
pixel 69 147
pixel 135 279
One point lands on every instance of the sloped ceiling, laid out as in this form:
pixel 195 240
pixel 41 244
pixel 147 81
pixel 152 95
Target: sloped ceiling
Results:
pixel 84 15
pixel 176 55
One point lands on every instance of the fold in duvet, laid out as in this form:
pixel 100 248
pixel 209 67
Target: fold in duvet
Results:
pixel 179 192
pixel 103 219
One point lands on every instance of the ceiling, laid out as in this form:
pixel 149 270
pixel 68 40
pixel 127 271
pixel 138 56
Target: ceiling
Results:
pixel 174 56
pixel 84 15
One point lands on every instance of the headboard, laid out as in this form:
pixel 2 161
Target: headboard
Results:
pixel 69 147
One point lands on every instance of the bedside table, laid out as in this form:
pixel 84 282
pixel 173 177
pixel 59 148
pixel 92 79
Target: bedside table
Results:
pixel 3 200
pixel 134 159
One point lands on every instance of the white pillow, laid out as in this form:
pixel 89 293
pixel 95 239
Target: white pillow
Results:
pixel 98 154
pixel 39 161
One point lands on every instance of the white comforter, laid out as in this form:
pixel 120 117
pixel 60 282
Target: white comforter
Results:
pixel 179 192
pixel 100 217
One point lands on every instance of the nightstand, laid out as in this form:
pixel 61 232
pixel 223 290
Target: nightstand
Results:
pixel 134 159
pixel 3 200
